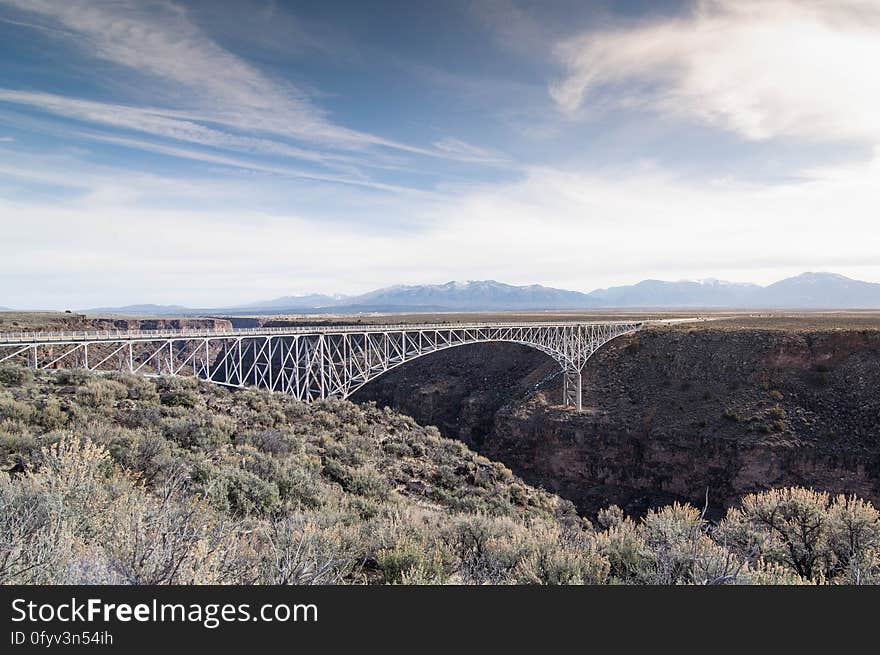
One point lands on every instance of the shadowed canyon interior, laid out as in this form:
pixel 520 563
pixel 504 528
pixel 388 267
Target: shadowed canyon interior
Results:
pixel 670 414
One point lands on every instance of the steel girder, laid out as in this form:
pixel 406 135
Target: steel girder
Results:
pixel 331 362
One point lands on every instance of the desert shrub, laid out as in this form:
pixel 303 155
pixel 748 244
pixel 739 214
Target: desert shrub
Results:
pixel 100 393
pixel 367 481
pixel 73 376
pixel 672 535
pixel 396 447
pixel 52 511
pixel 610 516
pixel 49 415
pixel 854 540
pixel 785 526
pixel 15 376
pixel 179 392
pixel 763 572
pixel 300 487
pixel 487 549
pixel 335 471
pixel 198 430
pixel 776 412
pixel 623 545
pixel 74 470
pixel 167 540
pixel 682 551
pixel 410 558
pixel 300 551
pixel 445 477
pixel 298 477
pixel 145 417
pixel 276 442
pixel 264 410
pixel 343 451
pixel 549 562
pixel 14 410
pixel 35 544
pixel 16 442
pixel 139 387
pixel 519 494
pixel 242 493
pixel 147 453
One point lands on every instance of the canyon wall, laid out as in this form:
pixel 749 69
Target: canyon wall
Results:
pixel 670 414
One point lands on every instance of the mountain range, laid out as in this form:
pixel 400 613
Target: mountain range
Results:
pixel 805 291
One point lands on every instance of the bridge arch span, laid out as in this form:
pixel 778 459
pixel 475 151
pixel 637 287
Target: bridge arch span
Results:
pixel 553 355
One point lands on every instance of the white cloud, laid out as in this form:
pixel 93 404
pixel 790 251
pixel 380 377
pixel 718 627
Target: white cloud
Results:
pixel 579 231
pixel 762 68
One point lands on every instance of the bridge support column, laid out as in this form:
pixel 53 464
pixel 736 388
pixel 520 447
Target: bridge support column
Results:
pixel 571 388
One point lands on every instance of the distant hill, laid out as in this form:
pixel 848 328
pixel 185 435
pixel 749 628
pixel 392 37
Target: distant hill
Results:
pixel 154 310
pixel 821 290
pixel 686 293
pixel 485 295
pixel 805 291
pixel 310 301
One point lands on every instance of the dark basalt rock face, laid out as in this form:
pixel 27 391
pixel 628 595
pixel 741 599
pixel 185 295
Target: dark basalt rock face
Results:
pixel 669 414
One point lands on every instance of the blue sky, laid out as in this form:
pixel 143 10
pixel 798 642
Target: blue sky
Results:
pixel 208 153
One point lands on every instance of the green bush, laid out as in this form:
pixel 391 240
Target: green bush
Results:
pixel 15 376
pixel 14 410
pixel 74 377
pixel 50 415
pixel 100 393
pixel 242 493
pixel 199 431
pixel 179 392
pixel 411 560
pixel 139 387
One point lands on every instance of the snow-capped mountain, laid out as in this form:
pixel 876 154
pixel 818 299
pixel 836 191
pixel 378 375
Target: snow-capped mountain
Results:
pixel 805 291
pixel 472 295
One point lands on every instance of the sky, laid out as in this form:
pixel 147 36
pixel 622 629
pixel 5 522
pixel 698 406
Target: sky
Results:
pixel 212 152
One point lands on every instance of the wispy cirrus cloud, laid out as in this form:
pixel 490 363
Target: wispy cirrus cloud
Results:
pixel 761 68
pixel 463 151
pixel 166 123
pixel 160 40
pixel 223 100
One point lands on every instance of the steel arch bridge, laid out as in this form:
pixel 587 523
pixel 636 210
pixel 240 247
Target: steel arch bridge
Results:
pixel 311 363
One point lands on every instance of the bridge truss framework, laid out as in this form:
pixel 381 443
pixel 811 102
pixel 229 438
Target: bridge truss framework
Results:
pixel 309 363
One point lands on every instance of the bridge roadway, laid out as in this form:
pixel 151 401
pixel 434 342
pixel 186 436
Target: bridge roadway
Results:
pixel 310 362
